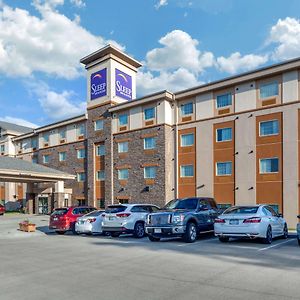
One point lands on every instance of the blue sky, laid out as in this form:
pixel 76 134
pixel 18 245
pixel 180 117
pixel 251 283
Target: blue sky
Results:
pixel 181 43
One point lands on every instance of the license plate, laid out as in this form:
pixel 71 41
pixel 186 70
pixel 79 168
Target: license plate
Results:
pixel 157 230
pixel 233 222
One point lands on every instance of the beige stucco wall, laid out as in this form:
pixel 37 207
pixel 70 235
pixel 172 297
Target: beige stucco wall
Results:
pixel 136 117
pixel 245 96
pixel 204 106
pixel 290 86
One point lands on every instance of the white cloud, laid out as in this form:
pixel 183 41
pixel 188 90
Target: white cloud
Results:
pixel 179 51
pixel 78 3
pixel 18 121
pixel 161 3
pixel 51 43
pixel 237 63
pixel 286 34
pixel 56 105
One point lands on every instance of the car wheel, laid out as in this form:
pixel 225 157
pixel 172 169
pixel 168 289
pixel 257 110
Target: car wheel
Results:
pixel 268 239
pixel 285 232
pixel 224 239
pixel 190 234
pixel 60 232
pixel 115 234
pixel 153 238
pixel 139 230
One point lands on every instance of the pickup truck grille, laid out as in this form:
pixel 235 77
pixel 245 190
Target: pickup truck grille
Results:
pixel 160 219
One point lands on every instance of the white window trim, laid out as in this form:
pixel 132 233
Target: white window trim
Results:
pixel 123 178
pixel 154 143
pixel 95 122
pixel 121 125
pixel 100 179
pixel 187 115
pixel 78 151
pixel 78 177
pixel 224 140
pixel 226 106
pixel 273 134
pixel 223 162
pixel 187 176
pixel 275 157
pixel 98 155
pixel 151 119
pixel 266 83
pixel 119 147
pixel 60 154
pixel 187 145
pixel 145 172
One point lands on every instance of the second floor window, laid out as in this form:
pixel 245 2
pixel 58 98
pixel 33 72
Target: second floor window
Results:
pixel 81 153
pixel 149 143
pixel 45 159
pixel 269 165
pixel 100 150
pixel 62 156
pixel 187 171
pixel 46 137
pixel 187 140
pixel 224 168
pixel 149 113
pixel 149 172
pixel 123 174
pixel 269 128
pixel 123 120
pixel 123 147
pixel 34 143
pixel 62 134
pixel 224 134
pixel 99 124
pixel 186 109
pixel 224 100
pixel 268 90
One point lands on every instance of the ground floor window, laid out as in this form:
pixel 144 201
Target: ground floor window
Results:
pixel 123 201
pixel 101 203
pixel 81 202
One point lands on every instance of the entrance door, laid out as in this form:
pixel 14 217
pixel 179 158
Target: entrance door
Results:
pixel 43 205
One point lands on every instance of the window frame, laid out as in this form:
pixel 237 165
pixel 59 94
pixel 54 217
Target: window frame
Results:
pixel 153 147
pixel 266 83
pixel 190 176
pixel 78 174
pixel 78 151
pixel 185 134
pixel 126 142
pixel 269 158
pixel 119 172
pixel 155 172
pixel 98 177
pixel 217 141
pixel 154 113
pixel 44 156
pixel 95 125
pixel 100 146
pixel 184 104
pixel 223 94
pixel 59 156
pixel 223 162
pixel 273 134
pixel 127 117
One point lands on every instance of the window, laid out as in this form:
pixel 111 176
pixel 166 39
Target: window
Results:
pixel 187 140
pixel 149 113
pixel 34 159
pixel 224 168
pixel 123 147
pixel 2 148
pixel 99 124
pixel 187 171
pixel 268 128
pixel 140 209
pixel 80 176
pixel 46 137
pixel 80 202
pixel 123 174
pixel 101 203
pixel 149 143
pixel 100 150
pixel 123 120
pixel 100 176
pixel 34 143
pixel 45 159
pixel 62 156
pixel 224 206
pixel 186 109
pixel 269 165
pixel 80 153
pixel 224 134
pixel 274 207
pixel 80 129
pixel 224 100
pixel 149 172
pixel 268 90
pixel 62 134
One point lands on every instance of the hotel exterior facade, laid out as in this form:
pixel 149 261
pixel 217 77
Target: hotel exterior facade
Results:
pixel 236 140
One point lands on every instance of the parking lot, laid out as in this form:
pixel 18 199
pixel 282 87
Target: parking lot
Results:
pixel 43 265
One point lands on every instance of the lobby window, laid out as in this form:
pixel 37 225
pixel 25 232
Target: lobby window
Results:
pixel 123 174
pixel 224 168
pixel 46 159
pixel 224 134
pixel 62 134
pixel 2 148
pixel 100 175
pixel 269 165
pixel 81 176
pixel 81 153
pixel 268 90
pixel 149 143
pixel 123 120
pixel 268 128
pixel 62 156
pixel 224 100
pixel 46 136
pixel 123 147
pixel 187 171
pixel 99 125
pixel 80 129
pixel 149 172
pixel 149 113
pixel 186 109
pixel 100 150
pixel 187 140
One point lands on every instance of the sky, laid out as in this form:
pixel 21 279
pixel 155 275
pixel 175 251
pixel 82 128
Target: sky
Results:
pixel 181 44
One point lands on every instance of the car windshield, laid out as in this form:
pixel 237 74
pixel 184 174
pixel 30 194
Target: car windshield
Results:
pixel 113 209
pixel 182 204
pixel 94 213
pixel 59 212
pixel 241 210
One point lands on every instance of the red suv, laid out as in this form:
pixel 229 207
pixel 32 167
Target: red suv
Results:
pixel 64 219
pixel 2 209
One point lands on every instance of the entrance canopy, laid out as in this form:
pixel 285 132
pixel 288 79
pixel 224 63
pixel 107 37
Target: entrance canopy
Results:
pixel 18 170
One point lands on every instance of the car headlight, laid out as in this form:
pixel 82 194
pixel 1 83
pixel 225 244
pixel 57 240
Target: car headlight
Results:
pixel 178 218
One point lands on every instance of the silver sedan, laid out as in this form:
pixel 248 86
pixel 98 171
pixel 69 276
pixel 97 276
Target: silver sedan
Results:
pixel 90 223
pixel 298 231
pixel 257 221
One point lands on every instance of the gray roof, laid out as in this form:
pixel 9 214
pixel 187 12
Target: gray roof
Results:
pixel 15 127
pixel 16 164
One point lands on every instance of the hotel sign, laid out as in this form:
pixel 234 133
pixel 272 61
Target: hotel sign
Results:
pixel 98 84
pixel 123 85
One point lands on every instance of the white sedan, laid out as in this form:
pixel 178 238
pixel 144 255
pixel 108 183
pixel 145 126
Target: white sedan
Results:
pixel 258 221
pixel 90 223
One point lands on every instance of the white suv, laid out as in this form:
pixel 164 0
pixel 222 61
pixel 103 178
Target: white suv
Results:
pixel 127 218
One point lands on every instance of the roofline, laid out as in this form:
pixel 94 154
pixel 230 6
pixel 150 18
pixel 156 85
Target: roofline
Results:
pixel 240 78
pixel 149 98
pixel 109 49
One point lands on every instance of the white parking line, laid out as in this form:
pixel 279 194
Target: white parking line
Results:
pixel 273 246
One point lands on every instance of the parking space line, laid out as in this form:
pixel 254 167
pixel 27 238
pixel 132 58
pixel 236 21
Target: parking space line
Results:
pixel 273 246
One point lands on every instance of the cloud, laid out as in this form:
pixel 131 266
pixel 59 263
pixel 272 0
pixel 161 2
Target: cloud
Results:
pixel 236 62
pixel 18 121
pixel 161 3
pixel 56 105
pixel 78 3
pixel 49 42
pixel 286 35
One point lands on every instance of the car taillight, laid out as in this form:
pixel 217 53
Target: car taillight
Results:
pixel 252 220
pixel 123 215
pixel 92 220
pixel 219 220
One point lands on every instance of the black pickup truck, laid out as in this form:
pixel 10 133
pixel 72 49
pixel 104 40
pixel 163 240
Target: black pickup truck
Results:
pixel 183 217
